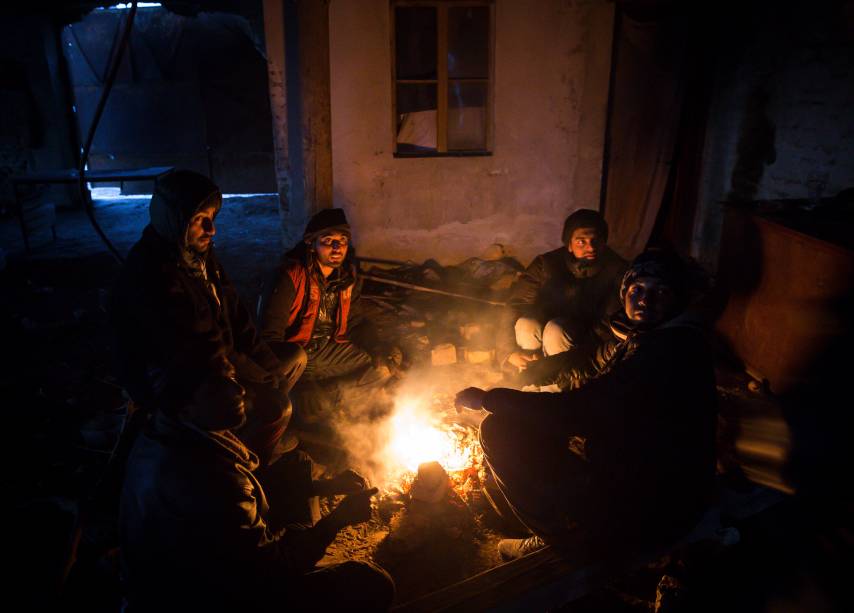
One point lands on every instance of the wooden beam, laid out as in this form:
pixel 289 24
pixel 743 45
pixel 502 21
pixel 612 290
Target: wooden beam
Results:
pixel 274 39
pixel 313 17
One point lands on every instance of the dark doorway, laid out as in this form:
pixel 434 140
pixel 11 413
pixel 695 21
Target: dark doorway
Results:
pixel 191 92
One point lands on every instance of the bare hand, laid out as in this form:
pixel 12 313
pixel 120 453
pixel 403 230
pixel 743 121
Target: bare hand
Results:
pixel 520 360
pixel 470 398
pixel 345 482
pixel 354 509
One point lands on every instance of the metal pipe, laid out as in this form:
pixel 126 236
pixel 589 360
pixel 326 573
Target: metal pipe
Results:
pixel 421 288
pixel 96 118
pixel 363 258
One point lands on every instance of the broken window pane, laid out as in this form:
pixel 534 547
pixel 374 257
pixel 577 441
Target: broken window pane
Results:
pixel 416 117
pixel 468 42
pixel 442 103
pixel 467 115
pixel 415 42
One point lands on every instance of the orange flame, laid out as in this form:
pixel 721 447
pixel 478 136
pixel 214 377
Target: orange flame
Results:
pixel 415 439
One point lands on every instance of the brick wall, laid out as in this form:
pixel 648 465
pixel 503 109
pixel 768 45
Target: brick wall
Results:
pixel 783 112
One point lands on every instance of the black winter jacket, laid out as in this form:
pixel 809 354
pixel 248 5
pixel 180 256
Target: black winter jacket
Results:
pixel 171 333
pixel 554 285
pixel 644 411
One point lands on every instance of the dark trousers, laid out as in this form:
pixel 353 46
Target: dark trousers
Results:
pixel 333 360
pixel 268 407
pixel 547 487
pixel 349 586
pixel 571 506
pixel 334 370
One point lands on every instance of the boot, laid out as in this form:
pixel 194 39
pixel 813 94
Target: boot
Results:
pixel 513 549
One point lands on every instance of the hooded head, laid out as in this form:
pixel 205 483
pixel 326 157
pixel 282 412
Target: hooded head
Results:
pixel 654 288
pixel 208 396
pixel 177 197
pixel 218 404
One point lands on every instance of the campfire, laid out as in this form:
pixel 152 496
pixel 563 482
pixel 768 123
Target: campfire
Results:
pixel 423 431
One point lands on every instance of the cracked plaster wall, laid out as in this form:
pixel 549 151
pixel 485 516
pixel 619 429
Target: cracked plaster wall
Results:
pixel 552 61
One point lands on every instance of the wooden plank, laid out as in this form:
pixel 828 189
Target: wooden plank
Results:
pixel 534 582
pixel 274 38
pixel 543 580
pixel 442 85
pixel 786 296
pixel 316 120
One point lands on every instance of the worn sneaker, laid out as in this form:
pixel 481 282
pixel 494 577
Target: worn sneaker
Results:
pixel 512 549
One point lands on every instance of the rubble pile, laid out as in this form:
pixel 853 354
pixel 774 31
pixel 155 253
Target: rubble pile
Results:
pixel 437 328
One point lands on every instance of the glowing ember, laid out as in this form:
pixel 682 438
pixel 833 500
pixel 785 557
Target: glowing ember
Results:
pixel 416 439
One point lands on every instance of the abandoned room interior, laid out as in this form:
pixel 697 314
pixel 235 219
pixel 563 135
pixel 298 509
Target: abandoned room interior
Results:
pixel 392 382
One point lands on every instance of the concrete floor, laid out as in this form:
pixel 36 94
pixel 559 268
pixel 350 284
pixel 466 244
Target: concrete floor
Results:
pixel 248 239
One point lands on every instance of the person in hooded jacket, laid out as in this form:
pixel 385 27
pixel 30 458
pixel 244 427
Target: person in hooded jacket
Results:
pixel 174 310
pixel 197 532
pixel 625 455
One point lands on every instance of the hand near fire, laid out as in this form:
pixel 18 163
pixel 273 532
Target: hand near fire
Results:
pixel 354 509
pixel 345 482
pixel 520 360
pixel 470 398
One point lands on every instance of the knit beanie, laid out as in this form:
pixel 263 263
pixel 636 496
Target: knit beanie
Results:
pixel 326 220
pixel 660 264
pixel 584 218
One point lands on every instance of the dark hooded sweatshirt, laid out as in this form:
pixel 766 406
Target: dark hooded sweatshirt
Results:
pixel 193 531
pixel 177 317
pixel 641 412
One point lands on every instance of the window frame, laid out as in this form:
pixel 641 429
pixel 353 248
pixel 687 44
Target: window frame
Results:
pixel 442 81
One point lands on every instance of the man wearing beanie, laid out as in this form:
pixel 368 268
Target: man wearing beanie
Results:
pixel 175 311
pixel 562 296
pixel 310 298
pixel 624 457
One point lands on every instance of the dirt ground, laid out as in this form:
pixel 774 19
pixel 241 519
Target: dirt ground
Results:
pixel 64 410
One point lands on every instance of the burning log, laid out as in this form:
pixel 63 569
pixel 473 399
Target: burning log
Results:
pixel 429 528
pixel 431 483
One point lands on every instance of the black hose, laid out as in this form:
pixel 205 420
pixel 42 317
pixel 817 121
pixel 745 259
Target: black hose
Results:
pixel 105 93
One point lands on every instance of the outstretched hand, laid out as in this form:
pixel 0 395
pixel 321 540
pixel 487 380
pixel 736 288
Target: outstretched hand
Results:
pixel 354 509
pixel 345 482
pixel 469 398
pixel 521 360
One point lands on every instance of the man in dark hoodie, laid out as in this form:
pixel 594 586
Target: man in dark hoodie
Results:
pixel 626 454
pixel 175 310
pixel 562 296
pixel 310 300
pixel 196 529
